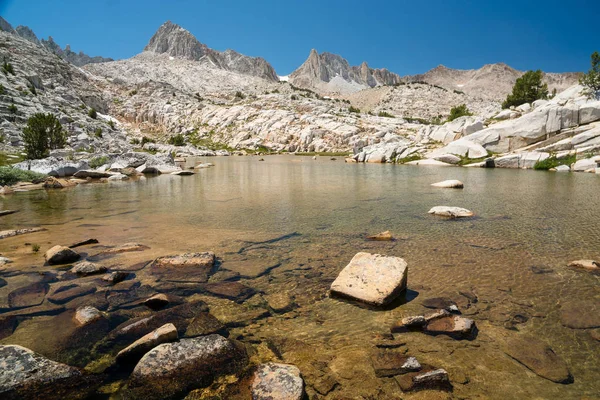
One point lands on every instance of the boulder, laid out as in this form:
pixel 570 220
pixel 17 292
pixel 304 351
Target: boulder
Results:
pixel 451 184
pixel 118 177
pixel 87 314
pixel 61 255
pixel 448 158
pixel 27 375
pixel 165 334
pixel 280 302
pixel 277 381
pixel 539 358
pixel 57 183
pixel 171 370
pixel 188 267
pixel 451 212
pixel 52 166
pixel 589 112
pixel 115 277
pixel 586 164
pixel 523 108
pixel 454 326
pixel 428 378
pixel 372 278
pixel 85 268
pixel 183 172
pixel 383 237
pixel 588 265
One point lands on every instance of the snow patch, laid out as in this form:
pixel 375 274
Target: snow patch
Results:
pixel 285 78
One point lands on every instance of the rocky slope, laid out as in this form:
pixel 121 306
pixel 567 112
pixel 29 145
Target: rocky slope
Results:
pixel 330 73
pixel 78 59
pixel 492 81
pixel 173 40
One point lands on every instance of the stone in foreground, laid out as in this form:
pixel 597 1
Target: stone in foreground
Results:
pixel 171 370
pixel 277 381
pixel 451 325
pixel 450 184
pixel 27 375
pixel 165 334
pixel 372 278
pixel 188 267
pixel 451 212
pixel 389 363
pixel 61 255
pixel 85 268
pixel 428 378
pixel 87 314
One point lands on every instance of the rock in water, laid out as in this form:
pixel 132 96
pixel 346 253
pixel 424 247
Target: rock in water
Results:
pixel 85 268
pixel 171 370
pixel 61 255
pixel 372 278
pixel 538 357
pixel 588 265
pixel 427 378
pixel 451 184
pixel 383 236
pixel 451 325
pixel 87 314
pixel 16 232
pixel 192 267
pixel 165 334
pixel 277 381
pixel 390 363
pixel 27 375
pixel 451 212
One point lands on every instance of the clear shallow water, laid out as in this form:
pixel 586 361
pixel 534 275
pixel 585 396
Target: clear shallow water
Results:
pixel 512 255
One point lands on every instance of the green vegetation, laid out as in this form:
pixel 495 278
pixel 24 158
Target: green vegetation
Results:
pixel 385 114
pixel 10 176
pixel 92 113
pixel 43 133
pixel 2 89
pixel 133 92
pixel 458 91
pixel 435 121
pixel 35 247
pixel 294 97
pixel 9 159
pixel 527 89
pixel 553 162
pixel 208 142
pixel 177 140
pixel 135 141
pixel 145 140
pixel 412 157
pixel 111 124
pixel 459 111
pixel 98 132
pixel 464 160
pixel 32 89
pixel 354 110
pixel 325 154
pixel 98 162
pixel 7 68
pixel 240 95
pixel 591 80
pixel 12 109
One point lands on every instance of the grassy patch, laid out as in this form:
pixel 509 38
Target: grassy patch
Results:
pixel 98 162
pixel 553 162
pixel 10 176
pixel 412 157
pixel 325 153
pixel 6 160
pixel 385 114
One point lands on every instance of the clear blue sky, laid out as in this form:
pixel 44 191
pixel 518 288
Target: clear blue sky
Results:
pixel 407 37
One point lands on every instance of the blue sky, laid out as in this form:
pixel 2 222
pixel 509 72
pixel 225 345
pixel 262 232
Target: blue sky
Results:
pixel 407 37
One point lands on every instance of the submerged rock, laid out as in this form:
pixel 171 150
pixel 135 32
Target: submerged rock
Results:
pixel 452 325
pixel 451 212
pixel 68 293
pixel 27 375
pixel 165 334
pixel 428 378
pixel 583 314
pixel 538 357
pixel 372 278
pixel 230 290
pixel 115 277
pixel 171 370
pixel 28 296
pixel 277 381
pixel 383 236
pixel 440 302
pixel 280 302
pixel 61 255
pixel 389 363
pixel 87 314
pixel 451 184
pixel 188 267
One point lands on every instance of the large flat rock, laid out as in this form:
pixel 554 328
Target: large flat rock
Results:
pixel 372 278
pixel 171 370
pixel 538 357
pixel 277 381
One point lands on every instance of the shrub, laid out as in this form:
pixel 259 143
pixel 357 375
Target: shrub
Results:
pixel 133 92
pixel 294 97
pixel 43 133
pixel 35 247
pixel 32 89
pixel 458 91
pixel 459 111
pixel 591 80
pixel 385 114
pixel 135 141
pixel 7 68
pixel 12 109
pixel 92 113
pixel 527 89
pixel 177 140
pixel 10 176
pixel 111 124
pixel 98 132
pixel 240 95
pixel 98 162
pixel 2 89
pixel 354 110
pixel 412 157
pixel 553 162
pixel 145 140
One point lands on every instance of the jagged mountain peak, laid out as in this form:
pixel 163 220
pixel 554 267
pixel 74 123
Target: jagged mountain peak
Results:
pixel 26 33
pixel 328 72
pixel 178 42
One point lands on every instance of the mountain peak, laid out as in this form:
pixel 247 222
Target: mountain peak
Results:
pixel 175 41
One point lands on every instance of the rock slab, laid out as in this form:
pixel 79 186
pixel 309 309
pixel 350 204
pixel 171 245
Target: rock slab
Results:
pixel 277 381
pixel 451 212
pixel 372 278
